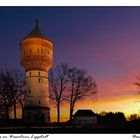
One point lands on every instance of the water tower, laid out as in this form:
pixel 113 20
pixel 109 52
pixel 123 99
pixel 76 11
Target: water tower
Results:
pixel 36 56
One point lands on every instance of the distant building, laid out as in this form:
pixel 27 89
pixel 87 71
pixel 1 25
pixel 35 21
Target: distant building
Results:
pixel 85 118
pixel 36 56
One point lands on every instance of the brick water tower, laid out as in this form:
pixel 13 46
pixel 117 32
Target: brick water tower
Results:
pixel 36 56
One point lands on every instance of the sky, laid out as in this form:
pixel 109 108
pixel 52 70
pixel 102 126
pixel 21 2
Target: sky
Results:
pixel 105 41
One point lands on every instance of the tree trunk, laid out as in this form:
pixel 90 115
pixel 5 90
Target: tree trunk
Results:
pixel 15 114
pixel 71 111
pixel 58 113
pixel 22 107
pixel 7 115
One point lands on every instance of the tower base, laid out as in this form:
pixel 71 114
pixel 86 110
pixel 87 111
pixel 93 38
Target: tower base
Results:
pixel 36 115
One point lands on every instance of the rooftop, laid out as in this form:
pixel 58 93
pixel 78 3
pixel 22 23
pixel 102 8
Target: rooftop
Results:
pixel 84 113
pixel 35 32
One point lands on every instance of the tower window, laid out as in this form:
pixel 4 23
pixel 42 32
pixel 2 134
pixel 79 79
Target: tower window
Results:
pixel 39 102
pixel 29 91
pixel 39 73
pixel 39 80
pixel 30 73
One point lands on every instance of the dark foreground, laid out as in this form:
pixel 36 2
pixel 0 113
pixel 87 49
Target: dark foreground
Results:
pixel 72 130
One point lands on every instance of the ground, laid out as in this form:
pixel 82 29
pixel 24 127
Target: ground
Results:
pixel 97 129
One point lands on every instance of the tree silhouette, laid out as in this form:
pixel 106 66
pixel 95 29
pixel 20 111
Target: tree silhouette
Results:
pixel 58 79
pixel 133 117
pixel 110 118
pixel 11 92
pixel 5 94
pixel 80 86
pixel 137 83
pixel 16 90
pixel 71 84
pixel 20 96
pixel 21 90
pixel 120 118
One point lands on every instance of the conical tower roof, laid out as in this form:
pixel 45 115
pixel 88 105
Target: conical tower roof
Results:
pixel 35 32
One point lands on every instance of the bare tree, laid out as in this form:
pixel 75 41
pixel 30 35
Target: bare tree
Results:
pixel 20 90
pixel 14 85
pixel 70 84
pixel 12 91
pixel 80 86
pixel 20 96
pixel 58 80
pixel 5 97
pixel 137 83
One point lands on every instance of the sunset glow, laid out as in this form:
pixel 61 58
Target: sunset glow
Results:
pixel 105 41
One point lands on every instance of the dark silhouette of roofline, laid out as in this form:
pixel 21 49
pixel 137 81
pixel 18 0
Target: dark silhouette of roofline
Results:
pixel 84 113
pixel 36 32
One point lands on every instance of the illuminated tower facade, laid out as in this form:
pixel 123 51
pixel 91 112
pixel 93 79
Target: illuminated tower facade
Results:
pixel 36 56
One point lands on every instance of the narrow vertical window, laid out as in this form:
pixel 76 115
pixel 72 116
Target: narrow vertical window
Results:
pixel 39 102
pixel 41 50
pixel 29 91
pixel 37 50
pixel 39 73
pixel 30 73
pixel 30 50
pixel 39 80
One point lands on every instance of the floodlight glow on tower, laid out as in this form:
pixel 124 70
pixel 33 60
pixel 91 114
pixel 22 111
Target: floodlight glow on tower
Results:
pixel 36 56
